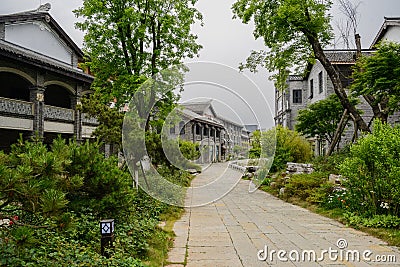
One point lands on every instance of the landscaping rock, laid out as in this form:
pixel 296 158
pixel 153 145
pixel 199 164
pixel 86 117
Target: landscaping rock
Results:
pixel 335 179
pixel 299 168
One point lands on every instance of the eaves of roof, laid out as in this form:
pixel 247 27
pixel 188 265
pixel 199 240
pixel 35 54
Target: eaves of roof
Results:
pixel 46 18
pixel 388 22
pixel 22 54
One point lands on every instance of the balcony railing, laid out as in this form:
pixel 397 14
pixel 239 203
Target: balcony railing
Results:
pixel 17 107
pixel 86 119
pixel 57 113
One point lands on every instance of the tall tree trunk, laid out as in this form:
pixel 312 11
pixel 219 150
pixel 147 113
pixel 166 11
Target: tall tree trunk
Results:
pixel 338 132
pixel 337 84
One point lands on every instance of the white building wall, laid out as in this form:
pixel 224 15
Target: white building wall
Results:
pixel 38 37
pixel 392 34
pixel 317 96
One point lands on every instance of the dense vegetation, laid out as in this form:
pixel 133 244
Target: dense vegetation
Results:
pixel 369 194
pixel 51 201
pixel 283 144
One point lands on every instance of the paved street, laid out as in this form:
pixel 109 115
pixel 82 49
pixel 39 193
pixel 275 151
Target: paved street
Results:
pixel 232 231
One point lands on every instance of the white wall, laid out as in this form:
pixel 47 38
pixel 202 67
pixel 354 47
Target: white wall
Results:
pixel 316 69
pixel 392 34
pixel 40 38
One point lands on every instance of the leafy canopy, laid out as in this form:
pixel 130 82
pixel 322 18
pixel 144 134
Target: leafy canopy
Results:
pixel 127 41
pixel 379 75
pixel 321 118
pixel 286 27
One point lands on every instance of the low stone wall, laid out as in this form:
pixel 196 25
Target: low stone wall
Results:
pixel 298 168
pixel 235 166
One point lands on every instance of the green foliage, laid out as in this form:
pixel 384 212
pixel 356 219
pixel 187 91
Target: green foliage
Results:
pixel 321 118
pixel 290 147
pixel 304 185
pixel 189 150
pixel 35 178
pixel 373 172
pixel 255 150
pixel 110 119
pixel 287 28
pixel 129 41
pixel 155 149
pixel 337 198
pixel 56 196
pixel 331 164
pixel 378 75
pixel 376 221
pixel 126 43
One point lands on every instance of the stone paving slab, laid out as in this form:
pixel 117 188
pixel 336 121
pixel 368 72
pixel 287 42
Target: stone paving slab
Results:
pixel 232 231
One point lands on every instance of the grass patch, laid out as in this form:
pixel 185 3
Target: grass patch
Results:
pixel 162 241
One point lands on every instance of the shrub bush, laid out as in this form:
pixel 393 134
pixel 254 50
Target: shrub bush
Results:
pixel 376 221
pixel 290 147
pixel 304 186
pixel 58 194
pixel 373 172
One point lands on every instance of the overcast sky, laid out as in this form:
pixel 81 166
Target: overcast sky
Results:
pixel 224 40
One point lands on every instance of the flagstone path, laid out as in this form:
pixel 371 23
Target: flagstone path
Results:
pixel 239 228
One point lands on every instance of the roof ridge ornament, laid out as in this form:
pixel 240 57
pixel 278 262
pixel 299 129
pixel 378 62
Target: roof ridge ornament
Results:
pixel 43 8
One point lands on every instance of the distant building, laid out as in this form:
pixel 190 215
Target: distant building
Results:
pixel 316 85
pixel 251 127
pixel 202 125
pixel 41 81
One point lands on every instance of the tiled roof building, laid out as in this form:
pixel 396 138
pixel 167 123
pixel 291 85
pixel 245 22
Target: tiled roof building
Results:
pixel 201 124
pixel 41 81
pixel 303 90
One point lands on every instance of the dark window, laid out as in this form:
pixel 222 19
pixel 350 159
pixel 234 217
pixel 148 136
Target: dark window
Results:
pixel 297 97
pixel 197 129
pixel 311 88
pixel 182 127
pixel 172 130
pixel 320 83
pixel 205 131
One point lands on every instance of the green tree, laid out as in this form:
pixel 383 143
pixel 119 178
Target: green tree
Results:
pixel 289 147
pixel 295 32
pixel 34 180
pixel 127 42
pixel 321 118
pixel 255 150
pixel 378 75
pixel 39 182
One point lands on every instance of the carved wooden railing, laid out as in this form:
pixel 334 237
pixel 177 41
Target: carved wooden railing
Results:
pixel 57 113
pixel 16 107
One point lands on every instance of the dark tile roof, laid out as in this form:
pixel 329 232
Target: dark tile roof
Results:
pixel 19 53
pixel 194 116
pixel 344 56
pixel 198 107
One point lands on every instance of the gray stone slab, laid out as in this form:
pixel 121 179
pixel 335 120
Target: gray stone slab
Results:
pixel 231 231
